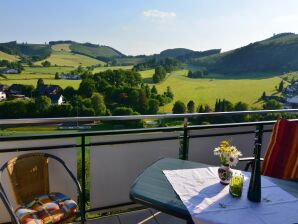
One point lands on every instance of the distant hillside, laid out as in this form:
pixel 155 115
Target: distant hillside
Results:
pixel 8 57
pixel 34 51
pixel 103 53
pixel 185 54
pixel 276 54
pixel 173 53
pixel 62 56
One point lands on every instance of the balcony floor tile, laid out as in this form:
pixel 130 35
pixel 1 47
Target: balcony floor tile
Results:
pixel 138 217
pixel 163 218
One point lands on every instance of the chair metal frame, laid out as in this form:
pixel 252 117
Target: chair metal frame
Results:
pixel 8 205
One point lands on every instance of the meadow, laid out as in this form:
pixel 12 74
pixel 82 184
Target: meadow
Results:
pixel 8 57
pixel 102 69
pixel 248 88
pixel 61 56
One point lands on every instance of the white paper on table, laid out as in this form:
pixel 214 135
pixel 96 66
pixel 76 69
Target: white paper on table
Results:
pixel 209 201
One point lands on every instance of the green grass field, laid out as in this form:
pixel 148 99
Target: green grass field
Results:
pixel 47 70
pixel 101 69
pixel 8 57
pixel 247 89
pixel 61 56
pixel 27 78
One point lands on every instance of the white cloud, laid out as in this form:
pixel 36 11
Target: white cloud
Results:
pixel 156 14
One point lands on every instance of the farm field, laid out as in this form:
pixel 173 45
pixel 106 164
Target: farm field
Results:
pixel 207 90
pixel 62 57
pixel 102 69
pixel 8 57
pixel 47 70
pixel 31 79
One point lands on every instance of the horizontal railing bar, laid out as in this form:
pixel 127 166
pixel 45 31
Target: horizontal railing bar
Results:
pixel 25 121
pixel 92 133
pixel 39 148
pixel 134 131
pixel 222 134
pixel 124 141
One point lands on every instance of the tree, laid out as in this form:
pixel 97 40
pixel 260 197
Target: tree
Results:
pixel 57 75
pixel 179 107
pixel 272 105
pixel 240 106
pixel 87 87
pixel 69 93
pixel 159 74
pixel 190 107
pixel 98 104
pixel 281 86
pixel 142 102
pixel 154 90
pixel 147 90
pixel 46 64
pixel 264 95
pixel 153 106
pixel 169 93
pixel 40 82
pixel 42 104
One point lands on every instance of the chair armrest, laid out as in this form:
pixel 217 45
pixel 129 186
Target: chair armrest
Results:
pixel 249 161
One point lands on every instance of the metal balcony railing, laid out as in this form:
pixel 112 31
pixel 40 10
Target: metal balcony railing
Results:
pixel 182 137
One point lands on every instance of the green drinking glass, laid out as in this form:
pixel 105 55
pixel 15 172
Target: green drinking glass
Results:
pixel 236 185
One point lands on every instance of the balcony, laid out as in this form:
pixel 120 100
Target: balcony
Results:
pixel 107 162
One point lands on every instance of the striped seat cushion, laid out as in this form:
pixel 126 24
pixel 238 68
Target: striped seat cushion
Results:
pixel 47 209
pixel 281 158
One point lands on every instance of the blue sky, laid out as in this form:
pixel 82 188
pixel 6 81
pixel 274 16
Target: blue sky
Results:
pixel 148 26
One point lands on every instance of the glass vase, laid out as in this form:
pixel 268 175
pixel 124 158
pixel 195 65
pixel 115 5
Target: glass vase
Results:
pixel 225 174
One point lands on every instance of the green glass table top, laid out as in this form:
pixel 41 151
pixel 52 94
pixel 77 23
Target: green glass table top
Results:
pixel 151 188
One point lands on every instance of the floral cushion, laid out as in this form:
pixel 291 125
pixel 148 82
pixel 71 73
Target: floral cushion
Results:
pixel 47 209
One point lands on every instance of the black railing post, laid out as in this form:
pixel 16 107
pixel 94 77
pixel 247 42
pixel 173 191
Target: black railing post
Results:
pixel 83 154
pixel 185 141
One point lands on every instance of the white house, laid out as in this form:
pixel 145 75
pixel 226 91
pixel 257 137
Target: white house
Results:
pixel 56 99
pixel 70 77
pixel 2 95
pixel 11 71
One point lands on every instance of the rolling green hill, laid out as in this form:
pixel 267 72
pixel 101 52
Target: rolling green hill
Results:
pixel 8 57
pixel 246 88
pixel 62 56
pixel 277 54
pixel 173 53
pixel 104 53
pixel 184 54
pixel 34 51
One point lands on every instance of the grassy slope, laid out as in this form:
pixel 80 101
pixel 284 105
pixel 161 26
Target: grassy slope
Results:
pixel 272 54
pixel 9 57
pixel 206 91
pixel 101 69
pixel 62 56
pixel 94 50
pixel 31 74
pixel 47 70
pixel 47 80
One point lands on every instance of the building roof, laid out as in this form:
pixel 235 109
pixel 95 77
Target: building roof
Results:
pixel 15 88
pixel 48 90
pixel 293 100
